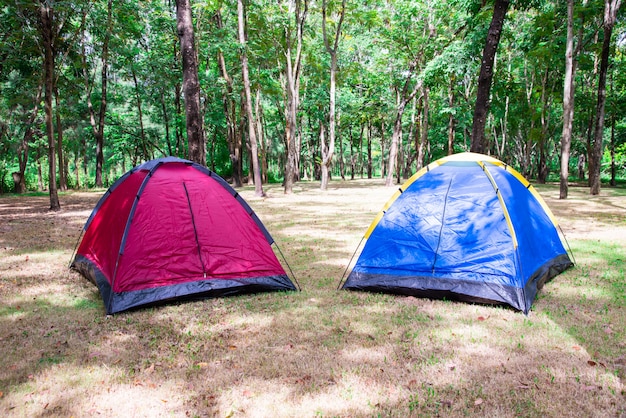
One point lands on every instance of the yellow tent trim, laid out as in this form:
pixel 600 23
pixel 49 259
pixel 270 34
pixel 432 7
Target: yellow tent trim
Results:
pixel 481 160
pixel 507 217
pixel 530 188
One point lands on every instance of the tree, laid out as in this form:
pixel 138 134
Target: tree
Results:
pixel 481 106
pixel 568 102
pixel 191 85
pixel 233 136
pixel 327 152
pixel 97 124
pixel 252 138
pixel 47 28
pixel 610 15
pixel 293 56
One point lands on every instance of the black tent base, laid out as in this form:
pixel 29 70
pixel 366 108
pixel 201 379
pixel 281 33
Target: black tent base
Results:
pixel 115 302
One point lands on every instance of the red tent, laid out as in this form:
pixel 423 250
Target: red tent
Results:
pixel 171 229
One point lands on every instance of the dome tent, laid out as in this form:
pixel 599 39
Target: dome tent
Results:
pixel 170 229
pixel 465 227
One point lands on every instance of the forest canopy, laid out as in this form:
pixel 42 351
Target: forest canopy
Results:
pixel 89 89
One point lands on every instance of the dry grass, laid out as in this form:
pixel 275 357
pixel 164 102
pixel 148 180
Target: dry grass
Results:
pixel 319 352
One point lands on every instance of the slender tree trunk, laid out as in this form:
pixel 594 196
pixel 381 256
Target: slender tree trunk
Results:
pixel 191 85
pixel 542 168
pixel 166 122
pixel 254 153
pixel 383 146
pixel 46 16
pixel 142 132
pixel 613 165
pixel 481 107
pixel 568 102
pixel 370 165
pixel 98 125
pixel 610 14
pixel 424 137
pixel 261 135
pixel 404 97
pixel 59 129
pixel 299 8
pixel 22 150
pixel 342 161
pixel 332 51
pixel 451 119
pixel 239 137
pixel 229 113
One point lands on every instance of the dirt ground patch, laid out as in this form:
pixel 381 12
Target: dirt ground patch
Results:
pixel 319 352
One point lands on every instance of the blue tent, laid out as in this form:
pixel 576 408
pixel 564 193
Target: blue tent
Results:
pixel 466 227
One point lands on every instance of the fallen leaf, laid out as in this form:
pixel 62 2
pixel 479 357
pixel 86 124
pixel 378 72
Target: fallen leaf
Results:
pixel 591 363
pixel 232 347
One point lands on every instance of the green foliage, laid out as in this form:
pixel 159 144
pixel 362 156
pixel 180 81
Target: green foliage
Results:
pixel 382 45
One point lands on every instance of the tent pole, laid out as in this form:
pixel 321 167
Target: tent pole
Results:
pixel 567 242
pixel 288 266
pixel 350 262
pixel 82 231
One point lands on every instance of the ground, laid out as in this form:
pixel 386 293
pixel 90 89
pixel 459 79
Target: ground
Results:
pixel 318 352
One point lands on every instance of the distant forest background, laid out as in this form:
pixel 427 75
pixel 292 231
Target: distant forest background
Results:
pixel 320 89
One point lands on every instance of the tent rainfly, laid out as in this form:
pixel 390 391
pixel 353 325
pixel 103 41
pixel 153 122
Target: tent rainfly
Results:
pixel 466 227
pixel 170 229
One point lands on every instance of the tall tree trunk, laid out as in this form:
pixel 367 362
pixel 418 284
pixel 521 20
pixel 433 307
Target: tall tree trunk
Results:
pixel 191 85
pixel 46 16
pixel 568 102
pixel 229 113
pixel 98 125
pixel 166 122
pixel 610 14
pixel 424 137
pixel 22 150
pixel 59 129
pixel 383 145
pixel 142 133
pixel 342 162
pixel 254 152
pixel 403 98
pixel 613 165
pixel 542 166
pixel 411 145
pixel 261 135
pixel 299 8
pixel 370 165
pixel 451 119
pixel 481 107
pixel 332 51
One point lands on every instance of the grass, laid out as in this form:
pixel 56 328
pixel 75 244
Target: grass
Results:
pixel 319 352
